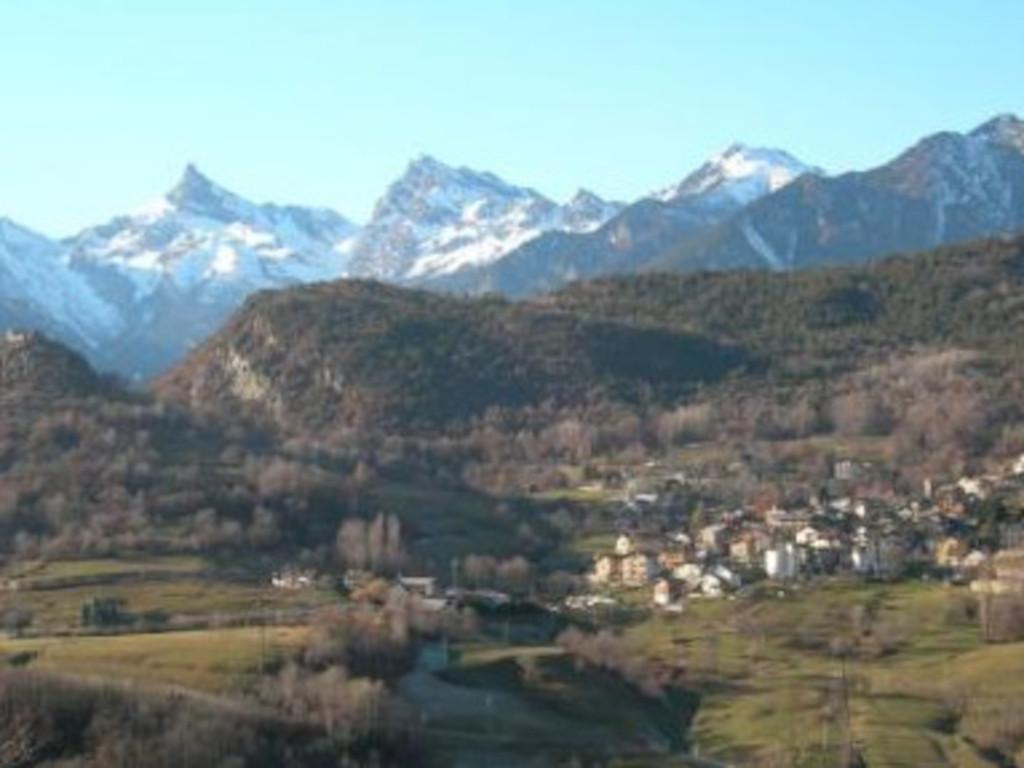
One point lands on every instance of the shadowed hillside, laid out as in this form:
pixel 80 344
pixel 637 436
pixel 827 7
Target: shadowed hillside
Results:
pixel 361 353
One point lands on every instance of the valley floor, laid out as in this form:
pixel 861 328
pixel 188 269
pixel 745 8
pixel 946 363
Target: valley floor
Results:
pixel 772 677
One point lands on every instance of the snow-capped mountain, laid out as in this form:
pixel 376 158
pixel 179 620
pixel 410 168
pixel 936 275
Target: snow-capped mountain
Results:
pixel 177 268
pixel 201 237
pixel 736 177
pixel 946 188
pixel 639 233
pixel 586 212
pixel 136 293
pixel 39 290
pixel 436 220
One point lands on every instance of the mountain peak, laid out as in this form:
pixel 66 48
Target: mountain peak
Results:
pixel 437 217
pixel 738 175
pixel 584 197
pixel 196 193
pixel 1005 129
pixel 425 172
pixel 737 148
pixel 192 182
pixel 425 162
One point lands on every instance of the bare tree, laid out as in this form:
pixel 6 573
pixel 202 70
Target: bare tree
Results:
pixel 352 544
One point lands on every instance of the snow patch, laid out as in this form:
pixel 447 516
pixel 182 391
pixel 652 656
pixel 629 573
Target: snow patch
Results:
pixel 761 246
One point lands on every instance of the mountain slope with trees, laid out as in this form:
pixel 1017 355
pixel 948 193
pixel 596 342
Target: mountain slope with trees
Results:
pixel 354 353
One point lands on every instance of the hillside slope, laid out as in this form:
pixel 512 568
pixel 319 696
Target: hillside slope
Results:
pixel 361 354
pixel 640 233
pixel 34 368
pixel 358 353
pixel 815 321
pixel 947 188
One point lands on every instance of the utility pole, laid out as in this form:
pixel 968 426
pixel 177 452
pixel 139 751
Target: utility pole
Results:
pixel 263 637
pixel 847 756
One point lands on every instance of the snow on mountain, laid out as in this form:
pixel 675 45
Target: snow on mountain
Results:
pixel 202 237
pixel 611 238
pixel 136 293
pixel 946 188
pixel 437 219
pixel 737 177
pixel 177 268
pixel 35 278
pixel 586 212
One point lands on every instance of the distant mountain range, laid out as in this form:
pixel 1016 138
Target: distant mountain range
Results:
pixel 757 209
pixel 437 220
pixel 135 294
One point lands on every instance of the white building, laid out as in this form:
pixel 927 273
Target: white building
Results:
pixel 690 573
pixel 291 578
pixel 666 593
pixel 638 570
pixel 424 586
pixel 806 536
pixel 727 576
pixel 711 585
pixel 876 556
pixel 623 545
pixel 713 537
pixel 782 561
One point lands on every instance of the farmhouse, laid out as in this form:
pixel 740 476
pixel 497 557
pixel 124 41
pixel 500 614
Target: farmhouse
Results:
pixel 424 586
pixel 638 569
pixel 666 592
pixel 782 561
pixel 606 570
pixel 293 578
pixel 624 545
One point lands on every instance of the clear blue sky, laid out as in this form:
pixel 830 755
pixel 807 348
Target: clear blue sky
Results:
pixel 102 102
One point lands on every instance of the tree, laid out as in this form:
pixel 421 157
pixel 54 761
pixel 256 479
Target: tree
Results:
pixel 515 575
pixel 479 570
pixel 394 552
pixel 352 544
pixel 376 544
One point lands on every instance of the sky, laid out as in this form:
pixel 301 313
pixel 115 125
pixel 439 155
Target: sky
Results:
pixel 324 102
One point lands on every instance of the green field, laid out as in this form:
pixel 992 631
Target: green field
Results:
pixel 185 591
pixel 215 661
pixel 771 676
pixel 187 588
pixel 41 573
pixel 790 676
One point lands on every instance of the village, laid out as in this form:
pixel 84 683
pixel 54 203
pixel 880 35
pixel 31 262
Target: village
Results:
pixel 958 532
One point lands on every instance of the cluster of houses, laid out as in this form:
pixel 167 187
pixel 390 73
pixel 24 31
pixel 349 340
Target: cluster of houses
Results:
pixel 865 532
pixel 872 536
pixel 425 589
pixel 672 567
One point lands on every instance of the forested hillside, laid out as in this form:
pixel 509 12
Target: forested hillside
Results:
pixel 365 354
pixel 826 320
